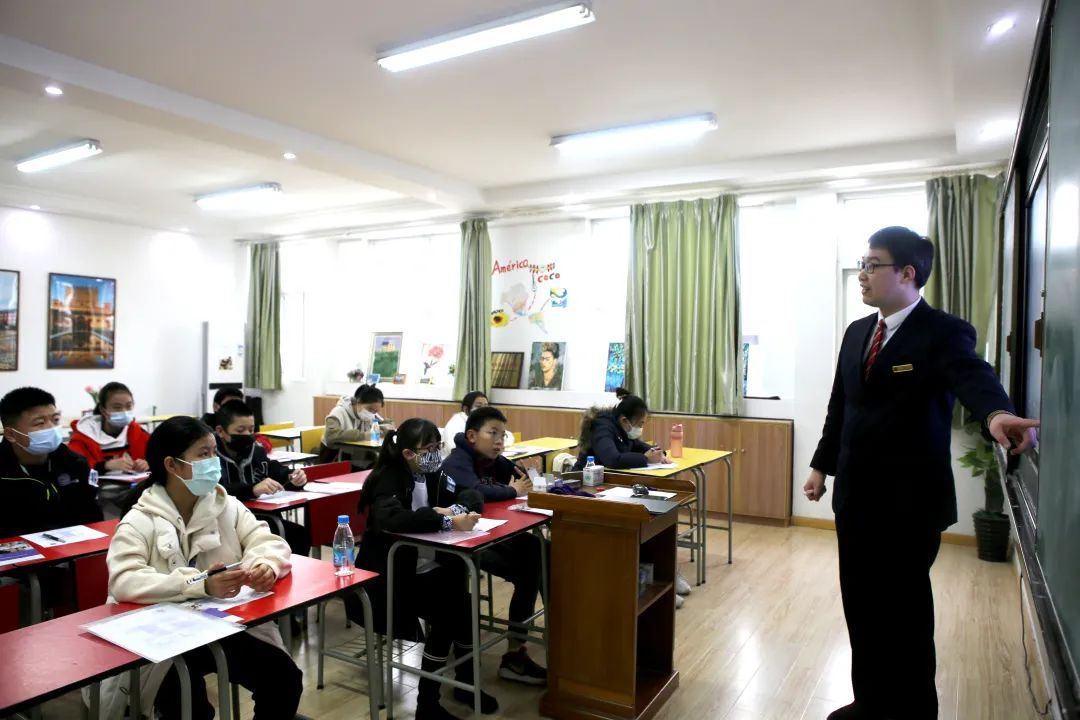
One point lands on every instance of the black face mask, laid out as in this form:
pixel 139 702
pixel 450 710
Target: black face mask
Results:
pixel 241 444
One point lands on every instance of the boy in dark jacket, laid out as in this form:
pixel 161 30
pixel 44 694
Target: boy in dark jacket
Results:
pixel 44 484
pixel 248 473
pixel 477 464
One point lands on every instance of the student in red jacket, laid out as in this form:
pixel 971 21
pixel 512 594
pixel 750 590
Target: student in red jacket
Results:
pixel 110 439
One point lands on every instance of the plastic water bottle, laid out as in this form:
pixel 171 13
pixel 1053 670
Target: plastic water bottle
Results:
pixel 676 440
pixel 343 547
pixel 376 431
pixel 588 475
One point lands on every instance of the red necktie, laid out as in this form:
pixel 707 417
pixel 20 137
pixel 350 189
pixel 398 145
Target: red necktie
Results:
pixel 875 347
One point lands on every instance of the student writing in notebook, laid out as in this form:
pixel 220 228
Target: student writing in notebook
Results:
pixel 182 522
pixel 407 493
pixel 43 484
pixel 109 438
pixel 248 473
pixel 477 464
pixel 351 420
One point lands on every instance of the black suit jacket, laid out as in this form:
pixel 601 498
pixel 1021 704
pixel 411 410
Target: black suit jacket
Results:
pixel 886 438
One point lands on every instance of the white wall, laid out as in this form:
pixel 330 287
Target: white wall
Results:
pixel 167 284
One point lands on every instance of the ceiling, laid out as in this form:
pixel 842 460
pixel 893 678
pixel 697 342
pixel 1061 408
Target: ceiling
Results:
pixel 204 94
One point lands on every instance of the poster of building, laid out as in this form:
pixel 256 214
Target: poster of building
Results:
pixel 81 322
pixel 386 354
pixel 9 320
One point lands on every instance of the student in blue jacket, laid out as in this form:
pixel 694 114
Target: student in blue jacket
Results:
pixel 477 463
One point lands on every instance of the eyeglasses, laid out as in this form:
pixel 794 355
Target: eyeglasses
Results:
pixel 492 433
pixel 869 267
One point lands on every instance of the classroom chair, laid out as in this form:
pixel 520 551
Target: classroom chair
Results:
pixel 326 470
pixel 517 437
pixel 91 581
pixel 9 607
pixel 311 440
pixel 275 442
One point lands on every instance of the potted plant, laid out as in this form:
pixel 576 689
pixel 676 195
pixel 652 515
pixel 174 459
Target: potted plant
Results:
pixel 355 375
pixel 992 527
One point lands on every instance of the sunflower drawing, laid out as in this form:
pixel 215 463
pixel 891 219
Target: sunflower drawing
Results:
pixel 499 319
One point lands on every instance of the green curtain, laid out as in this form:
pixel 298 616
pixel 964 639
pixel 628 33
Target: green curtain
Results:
pixel 262 368
pixel 473 370
pixel 684 341
pixel 966 234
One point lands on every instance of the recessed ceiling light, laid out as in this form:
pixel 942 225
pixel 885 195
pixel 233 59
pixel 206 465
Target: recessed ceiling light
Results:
pixel 289 156
pixel 59 156
pixel 636 137
pixel 250 197
pixel 54 90
pixel 523 26
pixel 997 130
pixel 183 230
pixel 1001 27
pixel 35 207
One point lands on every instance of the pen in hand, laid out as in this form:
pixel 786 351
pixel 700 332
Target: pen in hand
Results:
pixel 204 575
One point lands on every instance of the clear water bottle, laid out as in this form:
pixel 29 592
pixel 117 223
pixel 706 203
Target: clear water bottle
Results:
pixel 588 475
pixel 343 547
pixel 376 431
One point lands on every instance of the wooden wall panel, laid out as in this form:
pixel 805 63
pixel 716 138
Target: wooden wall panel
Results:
pixel 762 448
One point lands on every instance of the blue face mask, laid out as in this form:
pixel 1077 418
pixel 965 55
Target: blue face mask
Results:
pixel 205 475
pixel 121 419
pixel 42 442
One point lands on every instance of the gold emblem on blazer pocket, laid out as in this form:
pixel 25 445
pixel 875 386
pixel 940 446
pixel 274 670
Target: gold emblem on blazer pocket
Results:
pixel 903 368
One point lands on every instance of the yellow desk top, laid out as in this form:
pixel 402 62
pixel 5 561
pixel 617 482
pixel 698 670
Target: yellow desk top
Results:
pixel 550 443
pixel 158 418
pixel 691 458
pixel 362 443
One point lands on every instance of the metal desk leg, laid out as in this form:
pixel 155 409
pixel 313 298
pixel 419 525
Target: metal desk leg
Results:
pixel 35 597
pixel 388 694
pixel 135 694
pixel 185 686
pixel 543 583
pixel 702 521
pixel 285 628
pixel 373 657
pixel 320 615
pixel 474 585
pixel 224 701
pixel 730 505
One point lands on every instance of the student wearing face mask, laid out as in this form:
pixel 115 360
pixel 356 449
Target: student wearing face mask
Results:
pixel 248 473
pixel 180 523
pixel 407 493
pixel 350 421
pixel 456 424
pixel 613 437
pixel 109 438
pixel 43 484
pixel 224 395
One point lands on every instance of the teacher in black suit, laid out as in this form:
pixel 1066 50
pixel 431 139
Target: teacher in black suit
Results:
pixel 886 440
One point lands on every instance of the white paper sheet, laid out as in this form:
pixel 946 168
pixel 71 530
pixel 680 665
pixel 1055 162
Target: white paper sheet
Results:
pixel 626 492
pixel 64 536
pixel 524 507
pixel 17 552
pixel 332 488
pixel 515 450
pixel 247 594
pixel 488 524
pixel 286 496
pixel 159 632
pixel 661 466
pixel 119 476
pixel 447 537
pixel 284 456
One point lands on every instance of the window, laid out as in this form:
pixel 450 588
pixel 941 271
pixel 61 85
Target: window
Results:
pixel 295 266
pixel 767 284
pixel 860 217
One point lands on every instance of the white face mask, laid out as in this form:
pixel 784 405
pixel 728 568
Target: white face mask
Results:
pixel 635 433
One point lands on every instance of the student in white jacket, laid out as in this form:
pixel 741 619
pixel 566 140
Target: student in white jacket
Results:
pixel 351 420
pixel 183 523
pixel 456 424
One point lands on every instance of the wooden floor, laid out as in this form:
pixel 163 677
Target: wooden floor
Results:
pixel 764 638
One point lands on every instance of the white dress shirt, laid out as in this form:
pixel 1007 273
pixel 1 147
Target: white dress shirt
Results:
pixel 892 324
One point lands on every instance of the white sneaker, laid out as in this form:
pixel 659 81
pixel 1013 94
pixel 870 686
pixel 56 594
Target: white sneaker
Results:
pixel 682 585
pixel 679 601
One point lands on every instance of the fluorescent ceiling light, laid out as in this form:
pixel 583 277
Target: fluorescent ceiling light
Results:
pixel 252 196
pixel 59 156
pixel 636 137
pixel 35 207
pixel 514 28
pixel 289 156
pixel 1001 27
pixel 997 130
pixel 54 90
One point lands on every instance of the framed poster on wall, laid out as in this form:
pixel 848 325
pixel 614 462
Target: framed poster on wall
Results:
pixel 81 322
pixel 385 354
pixel 9 320
pixel 506 369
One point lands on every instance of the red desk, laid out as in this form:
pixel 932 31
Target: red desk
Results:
pixel 517 522
pixel 72 552
pixel 323 511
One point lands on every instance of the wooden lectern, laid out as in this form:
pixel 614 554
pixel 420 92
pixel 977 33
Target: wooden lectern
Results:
pixel 610 648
